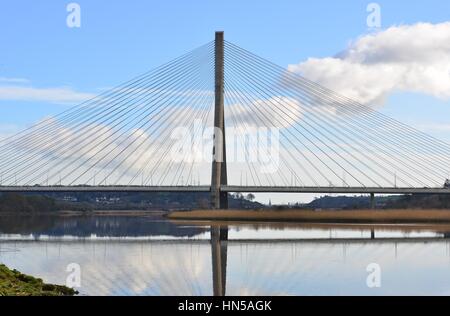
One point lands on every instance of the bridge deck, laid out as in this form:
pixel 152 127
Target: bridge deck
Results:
pixel 357 190
pixel 228 188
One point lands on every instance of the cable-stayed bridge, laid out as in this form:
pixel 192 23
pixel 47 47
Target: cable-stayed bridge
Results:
pixel 221 119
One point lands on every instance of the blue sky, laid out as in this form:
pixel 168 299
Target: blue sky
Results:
pixel 118 40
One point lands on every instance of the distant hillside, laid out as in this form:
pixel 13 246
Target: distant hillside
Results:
pixel 421 201
pixel 26 204
pixel 33 203
pixel 415 201
pixel 349 202
pixel 82 201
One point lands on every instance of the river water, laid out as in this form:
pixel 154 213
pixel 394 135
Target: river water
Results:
pixel 144 255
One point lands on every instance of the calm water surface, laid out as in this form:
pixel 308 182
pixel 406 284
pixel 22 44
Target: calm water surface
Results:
pixel 143 255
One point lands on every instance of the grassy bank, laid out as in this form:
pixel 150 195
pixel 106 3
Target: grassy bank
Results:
pixel 14 283
pixel 354 216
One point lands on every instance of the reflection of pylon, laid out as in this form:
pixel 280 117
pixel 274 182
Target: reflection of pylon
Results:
pixel 219 239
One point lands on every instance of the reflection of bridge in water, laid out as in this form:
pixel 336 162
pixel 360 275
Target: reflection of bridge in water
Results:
pixel 237 266
pixel 219 244
pixel 96 233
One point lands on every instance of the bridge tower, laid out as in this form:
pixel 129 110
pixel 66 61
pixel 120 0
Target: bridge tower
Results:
pixel 219 199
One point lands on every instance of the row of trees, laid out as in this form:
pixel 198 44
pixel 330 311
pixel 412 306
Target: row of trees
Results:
pixel 14 203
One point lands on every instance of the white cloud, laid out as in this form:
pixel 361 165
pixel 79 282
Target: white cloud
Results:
pixel 7 129
pixel 414 58
pixel 434 127
pixel 270 114
pixel 13 80
pixel 53 95
pixel 14 89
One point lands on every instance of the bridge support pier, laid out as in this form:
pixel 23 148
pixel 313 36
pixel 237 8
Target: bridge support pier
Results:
pixel 219 199
pixel 372 201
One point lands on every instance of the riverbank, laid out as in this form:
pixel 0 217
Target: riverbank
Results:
pixel 404 216
pixel 14 283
